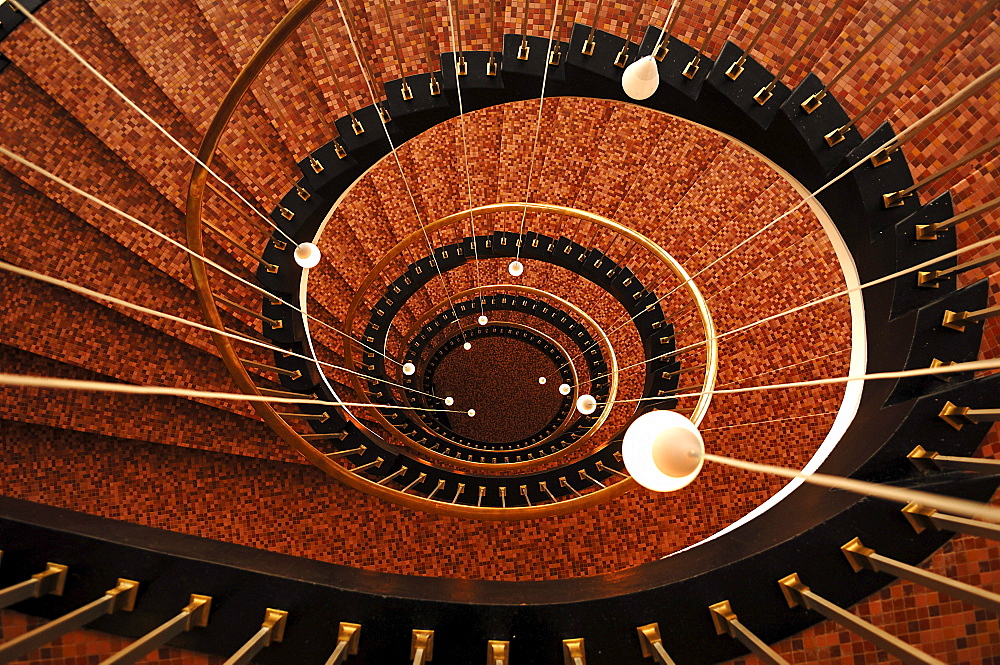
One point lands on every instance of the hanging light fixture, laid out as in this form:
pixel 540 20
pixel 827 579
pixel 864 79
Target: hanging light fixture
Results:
pixel 467 346
pixel 409 369
pixel 586 404
pixel 448 401
pixel 483 320
pixel 564 389
pixel 663 451
pixel 515 268
pixel 307 255
pixel 542 380
pixel 641 79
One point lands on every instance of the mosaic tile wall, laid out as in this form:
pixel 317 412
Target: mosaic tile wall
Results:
pixel 179 68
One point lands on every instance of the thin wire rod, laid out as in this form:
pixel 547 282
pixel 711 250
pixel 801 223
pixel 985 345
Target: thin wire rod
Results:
pixel 784 367
pixel 100 77
pixel 465 155
pixel 951 167
pixel 348 19
pixel 935 114
pixel 538 126
pixel 282 116
pixel 901 495
pixel 330 71
pixel 395 42
pixel 760 32
pixel 972 366
pixel 868 47
pixel 55 383
pixel 235 206
pixel 805 43
pixel 313 95
pixel 97 295
pixel 715 25
pixel 818 301
pixel 969 20
pixel 663 29
pixel 428 51
pixel 399 165
pixel 767 422
pixel 181 246
pixel 963 216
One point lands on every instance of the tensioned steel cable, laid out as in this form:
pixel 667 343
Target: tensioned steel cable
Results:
pixel 100 77
pixel 465 152
pixel 823 299
pixel 399 165
pixel 538 122
pixel 181 246
pixel 97 295
pixel 926 119
pixel 25 381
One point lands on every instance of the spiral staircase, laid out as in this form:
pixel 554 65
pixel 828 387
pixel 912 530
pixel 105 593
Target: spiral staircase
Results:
pixel 196 496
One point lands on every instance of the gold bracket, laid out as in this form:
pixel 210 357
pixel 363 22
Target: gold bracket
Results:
pixel 461 67
pixel 813 101
pixel 660 52
pixel 337 148
pixel 199 607
pixel 279 245
pixel 497 652
pixel 764 94
pixel 926 231
pixel 722 617
pixel 588 46
pixel 652 644
pixel 692 68
pixel 302 192
pixel 422 641
pixel 928 279
pixel 383 114
pixel 836 136
pixel 792 588
pixel 923 459
pixel 954 320
pixel 735 69
pixel 523 50
pixel 955 415
pixel 285 212
pixel 435 86
pixel 124 596
pixel 573 652
pixel 622 58
pixel 555 56
pixel 271 268
pixel 940 363
pixel 350 633
pixel 895 199
pixel 919 517
pixel 858 555
pixel 405 92
pixel 491 66
pixel 357 126
pixel 52 580
pixel 881 157
pixel 274 621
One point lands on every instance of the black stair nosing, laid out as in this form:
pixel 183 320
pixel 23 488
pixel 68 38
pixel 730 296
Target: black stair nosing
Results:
pixel 874 181
pixel 911 252
pixel 738 93
pixel 922 426
pixel 522 78
pixel 372 138
pixel 813 160
pixel 933 340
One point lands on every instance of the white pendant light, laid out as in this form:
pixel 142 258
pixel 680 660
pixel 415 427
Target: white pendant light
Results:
pixel 564 389
pixel 542 380
pixel 307 255
pixel 483 320
pixel 409 369
pixel 467 346
pixel 663 451
pixel 448 401
pixel 586 404
pixel 515 268
pixel 472 413
pixel 641 78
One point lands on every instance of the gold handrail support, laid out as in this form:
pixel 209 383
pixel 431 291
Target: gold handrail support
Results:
pixel 574 652
pixel 422 646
